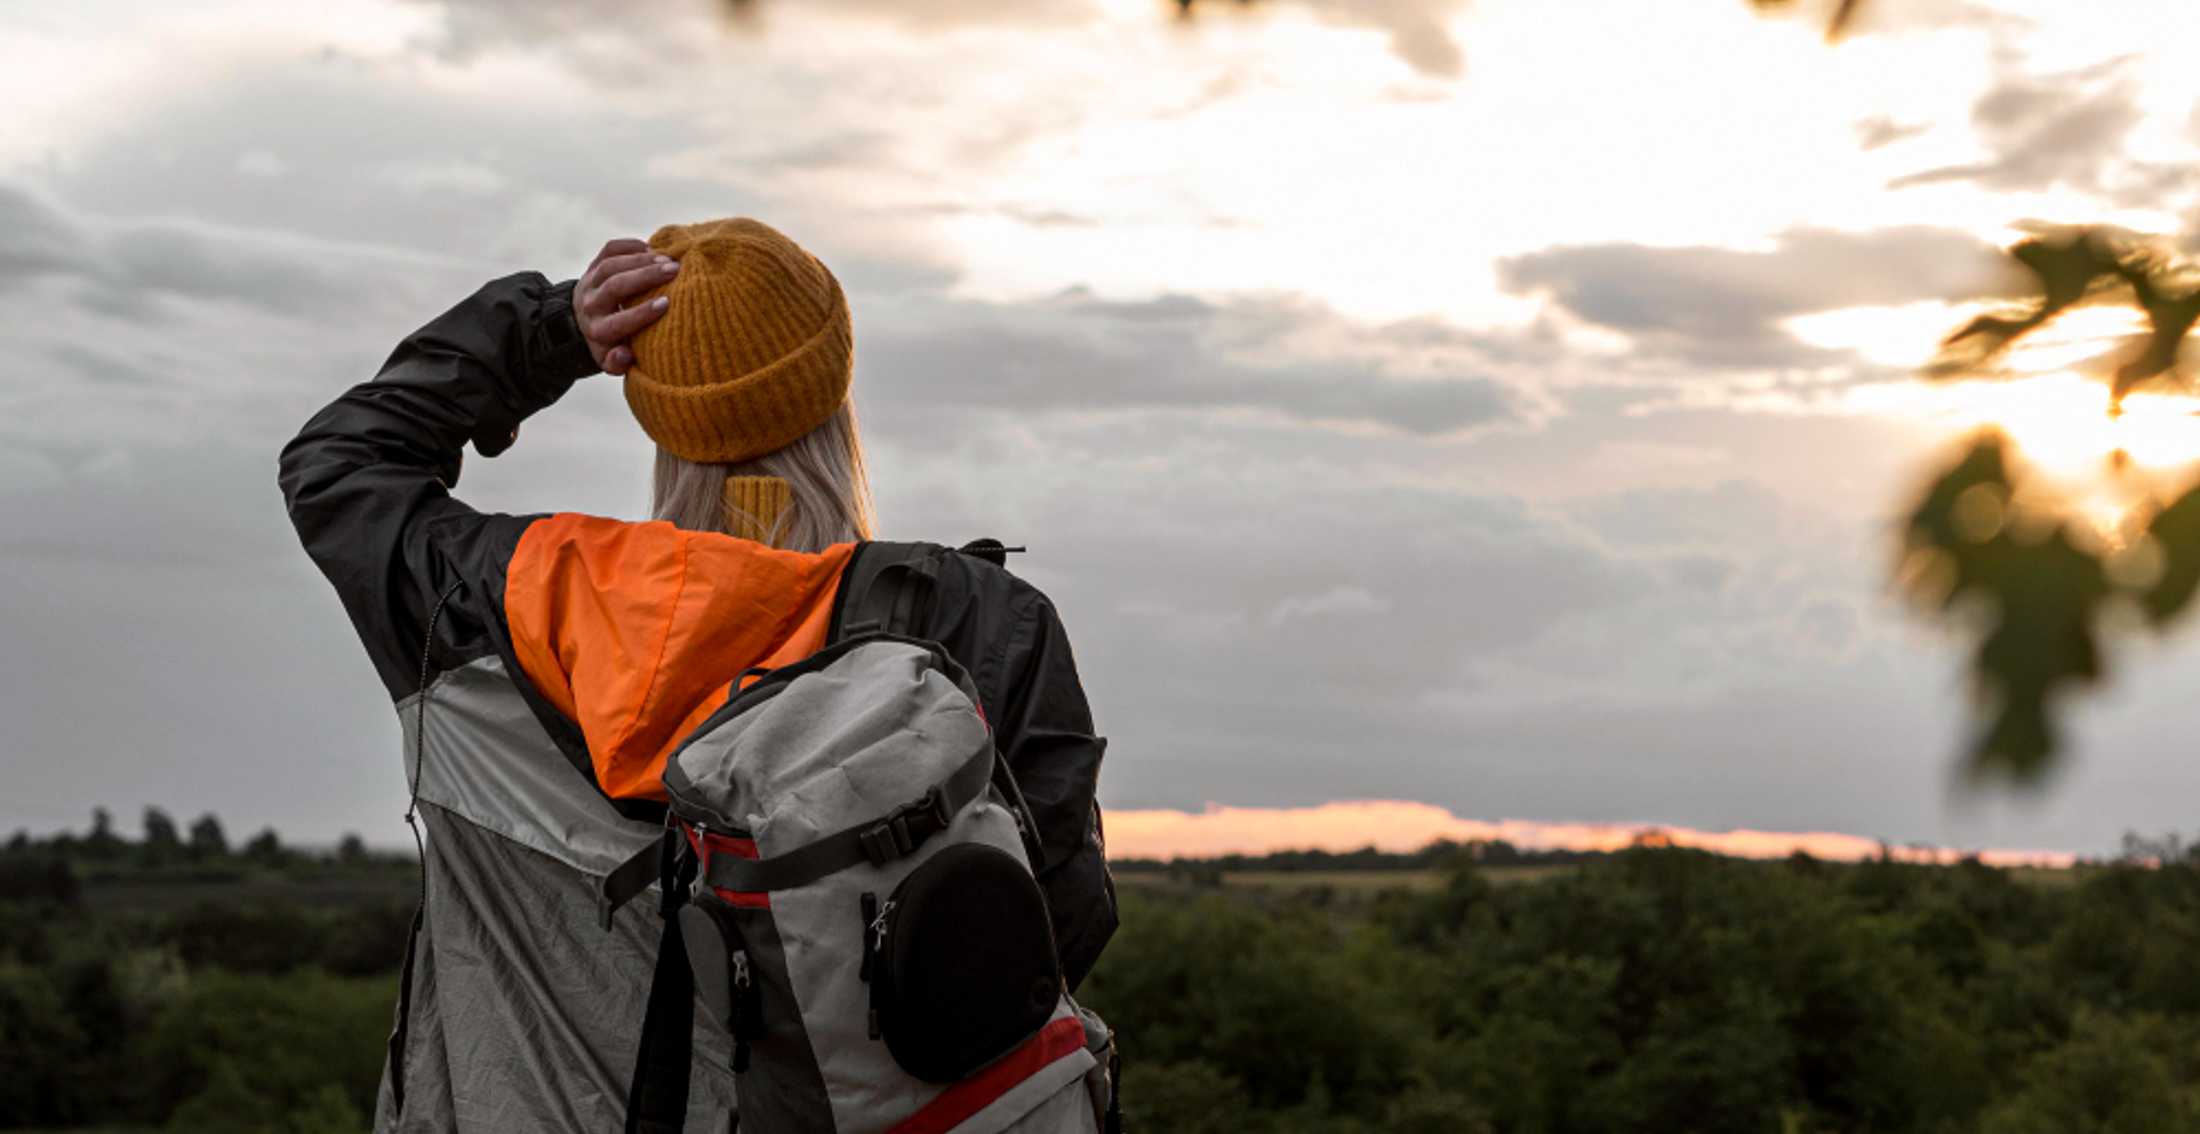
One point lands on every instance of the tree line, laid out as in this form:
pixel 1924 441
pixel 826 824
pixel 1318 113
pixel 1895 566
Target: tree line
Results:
pixel 1653 988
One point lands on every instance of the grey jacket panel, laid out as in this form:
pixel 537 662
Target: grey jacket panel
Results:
pixel 488 759
pixel 525 1012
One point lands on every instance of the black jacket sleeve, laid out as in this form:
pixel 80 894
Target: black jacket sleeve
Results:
pixel 1006 632
pixel 367 481
pixel 1047 736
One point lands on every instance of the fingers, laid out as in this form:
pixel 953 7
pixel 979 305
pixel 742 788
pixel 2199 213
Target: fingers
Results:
pixel 624 270
pixel 610 266
pixel 617 284
pixel 620 326
pixel 620 246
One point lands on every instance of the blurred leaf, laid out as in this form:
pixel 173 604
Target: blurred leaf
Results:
pixel 2039 592
pixel 2170 311
pixel 2066 268
pixel 2176 533
pixel 2082 266
pixel 1838 22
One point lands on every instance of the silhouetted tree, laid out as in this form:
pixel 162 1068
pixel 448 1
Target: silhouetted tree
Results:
pixel 207 838
pixel 102 844
pixel 266 848
pixel 162 844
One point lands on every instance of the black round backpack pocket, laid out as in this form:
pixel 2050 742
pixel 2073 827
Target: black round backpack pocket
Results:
pixel 966 969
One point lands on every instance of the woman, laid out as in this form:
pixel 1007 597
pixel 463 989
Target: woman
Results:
pixel 544 667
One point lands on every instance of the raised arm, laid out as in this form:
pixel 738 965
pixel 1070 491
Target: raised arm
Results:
pixel 367 480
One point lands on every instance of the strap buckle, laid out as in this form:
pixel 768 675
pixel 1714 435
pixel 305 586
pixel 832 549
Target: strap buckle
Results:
pixel 906 829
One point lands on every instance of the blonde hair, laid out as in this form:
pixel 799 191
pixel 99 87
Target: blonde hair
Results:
pixel 830 492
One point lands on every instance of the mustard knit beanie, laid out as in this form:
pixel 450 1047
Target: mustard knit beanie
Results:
pixel 754 350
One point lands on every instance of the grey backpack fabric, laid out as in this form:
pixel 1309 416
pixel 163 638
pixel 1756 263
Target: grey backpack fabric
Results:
pixel 846 885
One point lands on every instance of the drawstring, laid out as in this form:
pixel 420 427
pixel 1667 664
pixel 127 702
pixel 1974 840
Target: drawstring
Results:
pixel 420 740
pixel 400 1032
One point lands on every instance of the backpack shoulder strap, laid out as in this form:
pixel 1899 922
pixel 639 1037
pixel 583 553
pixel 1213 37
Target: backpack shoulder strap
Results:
pixel 887 587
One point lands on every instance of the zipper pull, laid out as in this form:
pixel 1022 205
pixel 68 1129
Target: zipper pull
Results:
pixel 744 1010
pixel 702 857
pixel 878 926
pixel 874 949
pixel 870 914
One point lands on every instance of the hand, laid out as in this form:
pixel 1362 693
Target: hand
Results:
pixel 624 269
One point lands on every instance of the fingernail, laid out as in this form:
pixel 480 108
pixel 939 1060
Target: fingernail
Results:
pixel 663 259
pixel 659 303
pixel 670 266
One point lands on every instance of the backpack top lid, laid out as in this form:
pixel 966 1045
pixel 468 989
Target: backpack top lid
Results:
pixel 842 738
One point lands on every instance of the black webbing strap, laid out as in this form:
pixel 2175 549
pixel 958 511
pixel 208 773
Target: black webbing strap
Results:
pixel 879 842
pixel 627 880
pixel 1112 1121
pixel 657 1096
pixel 887 588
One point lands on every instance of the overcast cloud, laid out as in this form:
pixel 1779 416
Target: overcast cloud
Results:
pixel 1378 385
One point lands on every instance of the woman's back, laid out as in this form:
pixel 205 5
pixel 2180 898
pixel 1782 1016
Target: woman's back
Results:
pixel 543 667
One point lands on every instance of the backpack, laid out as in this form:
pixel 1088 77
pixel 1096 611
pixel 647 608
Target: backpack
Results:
pixel 847 883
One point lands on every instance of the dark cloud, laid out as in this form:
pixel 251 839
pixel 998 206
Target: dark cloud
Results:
pixel 1076 352
pixel 1721 306
pixel 35 239
pixel 128 268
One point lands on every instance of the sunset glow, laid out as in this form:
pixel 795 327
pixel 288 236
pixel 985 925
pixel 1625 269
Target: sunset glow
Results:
pixel 1399 826
pixel 2103 469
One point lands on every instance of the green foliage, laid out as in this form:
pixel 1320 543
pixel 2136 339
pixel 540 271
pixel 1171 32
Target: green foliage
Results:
pixel 1190 1097
pixel 249 1054
pixel 162 843
pixel 1283 1006
pixel 1652 989
pixel 2036 588
pixel 1664 989
pixel 1981 548
pixel 207 838
pixel 2113 1076
pixel 41 1046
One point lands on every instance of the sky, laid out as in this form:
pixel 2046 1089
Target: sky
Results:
pixel 1428 415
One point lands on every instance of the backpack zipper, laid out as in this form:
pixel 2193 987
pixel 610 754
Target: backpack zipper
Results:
pixel 875 918
pixel 744 1010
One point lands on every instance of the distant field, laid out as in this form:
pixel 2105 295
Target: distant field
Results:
pixel 1421 881
pixel 1350 881
pixel 166 893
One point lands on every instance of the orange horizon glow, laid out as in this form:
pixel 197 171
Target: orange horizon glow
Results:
pixel 1403 826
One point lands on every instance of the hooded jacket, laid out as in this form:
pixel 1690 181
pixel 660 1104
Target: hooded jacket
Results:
pixel 543 667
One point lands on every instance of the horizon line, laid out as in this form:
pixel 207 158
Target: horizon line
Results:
pixel 1403 826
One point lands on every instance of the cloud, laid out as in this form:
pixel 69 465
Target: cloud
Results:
pixel 1283 356
pixel 470 29
pixel 1418 29
pixel 1340 601
pixel 1883 130
pixel 131 266
pixel 1723 307
pixel 2061 130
